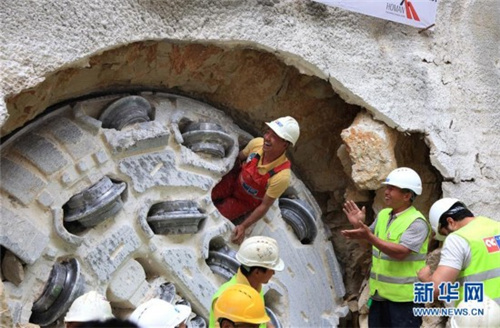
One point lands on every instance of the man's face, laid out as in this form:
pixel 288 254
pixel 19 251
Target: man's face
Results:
pixel 265 276
pixel 394 197
pixel 443 231
pixel 272 142
pixel 229 324
pixel 182 325
pixel 449 227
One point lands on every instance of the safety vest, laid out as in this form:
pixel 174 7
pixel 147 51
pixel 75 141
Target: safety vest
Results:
pixel 251 184
pixel 233 281
pixel 483 236
pixel 393 279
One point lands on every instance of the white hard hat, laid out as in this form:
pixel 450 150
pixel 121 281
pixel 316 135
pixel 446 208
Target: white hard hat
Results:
pixel 286 128
pixel 438 209
pixel 159 313
pixel 89 306
pixel 260 251
pixel 489 318
pixel 405 178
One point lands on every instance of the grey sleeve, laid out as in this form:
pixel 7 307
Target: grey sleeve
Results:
pixel 455 253
pixel 372 226
pixel 415 235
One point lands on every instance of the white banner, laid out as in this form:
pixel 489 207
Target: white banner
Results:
pixel 418 13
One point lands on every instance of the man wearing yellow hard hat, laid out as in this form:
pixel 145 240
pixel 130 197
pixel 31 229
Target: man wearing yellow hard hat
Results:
pixel 240 306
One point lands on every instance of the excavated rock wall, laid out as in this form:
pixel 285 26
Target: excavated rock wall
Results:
pixel 426 100
pixel 441 83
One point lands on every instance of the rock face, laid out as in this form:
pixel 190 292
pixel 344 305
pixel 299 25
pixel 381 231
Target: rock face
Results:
pixel 439 83
pixel 370 147
pixel 369 95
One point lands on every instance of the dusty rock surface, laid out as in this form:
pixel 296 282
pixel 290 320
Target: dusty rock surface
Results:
pixel 433 96
pixel 443 83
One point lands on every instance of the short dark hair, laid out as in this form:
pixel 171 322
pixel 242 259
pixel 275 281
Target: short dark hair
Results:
pixel 221 320
pixel 413 194
pixel 246 270
pixel 457 212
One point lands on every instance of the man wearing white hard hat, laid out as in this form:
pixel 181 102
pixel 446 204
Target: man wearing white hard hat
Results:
pixel 399 237
pixel 265 175
pixel 157 313
pixel 471 250
pixel 91 306
pixel 259 260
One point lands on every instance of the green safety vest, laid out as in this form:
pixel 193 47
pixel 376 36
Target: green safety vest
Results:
pixel 232 281
pixel 484 265
pixel 393 279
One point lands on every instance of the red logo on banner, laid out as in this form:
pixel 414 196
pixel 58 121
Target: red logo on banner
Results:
pixel 491 244
pixel 411 13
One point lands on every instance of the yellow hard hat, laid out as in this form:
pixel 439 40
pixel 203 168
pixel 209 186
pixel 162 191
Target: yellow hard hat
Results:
pixel 241 303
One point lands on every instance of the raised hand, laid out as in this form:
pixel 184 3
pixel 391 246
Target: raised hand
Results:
pixel 353 213
pixel 361 232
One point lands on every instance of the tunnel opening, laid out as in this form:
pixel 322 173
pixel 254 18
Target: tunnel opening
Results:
pixel 251 87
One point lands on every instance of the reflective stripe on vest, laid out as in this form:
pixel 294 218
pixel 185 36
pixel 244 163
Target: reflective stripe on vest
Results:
pixel 409 258
pixel 483 236
pixel 391 278
pixel 482 276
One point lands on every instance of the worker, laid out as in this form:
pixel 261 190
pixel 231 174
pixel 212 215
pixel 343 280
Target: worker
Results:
pixel 91 306
pixel 157 313
pixel 252 187
pixel 259 259
pixel 399 237
pixel 240 306
pixel 471 250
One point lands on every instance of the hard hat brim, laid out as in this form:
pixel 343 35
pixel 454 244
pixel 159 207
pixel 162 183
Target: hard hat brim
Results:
pixel 276 130
pixel 438 236
pixel 183 314
pixel 418 191
pixel 279 266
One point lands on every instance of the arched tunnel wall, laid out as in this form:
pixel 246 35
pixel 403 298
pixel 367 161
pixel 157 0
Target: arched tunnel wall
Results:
pixel 252 86
pixel 441 83
pixel 435 92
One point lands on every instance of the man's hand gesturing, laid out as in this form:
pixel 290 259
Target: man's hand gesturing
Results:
pixel 354 214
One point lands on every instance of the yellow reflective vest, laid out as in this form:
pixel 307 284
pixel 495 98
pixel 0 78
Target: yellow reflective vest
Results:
pixel 393 279
pixel 238 278
pixel 483 236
